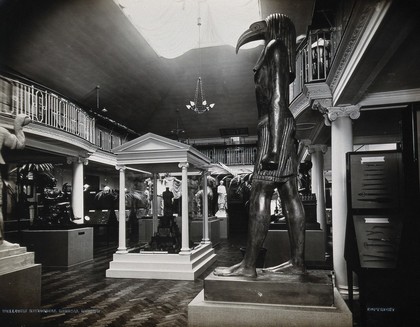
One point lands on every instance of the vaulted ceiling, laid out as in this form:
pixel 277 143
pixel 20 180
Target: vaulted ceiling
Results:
pixel 73 46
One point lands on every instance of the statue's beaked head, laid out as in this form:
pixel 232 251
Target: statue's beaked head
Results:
pixel 275 27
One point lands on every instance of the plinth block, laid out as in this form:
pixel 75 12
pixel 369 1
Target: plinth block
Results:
pixel 15 257
pixel 6 251
pixel 314 288
pixel 20 291
pixel 61 248
pixel 203 313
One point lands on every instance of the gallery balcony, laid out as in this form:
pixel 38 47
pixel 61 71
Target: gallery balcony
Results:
pixel 230 155
pixel 313 60
pixel 56 116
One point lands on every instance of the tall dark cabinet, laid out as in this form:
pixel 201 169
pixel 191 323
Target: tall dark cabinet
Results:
pixel 375 188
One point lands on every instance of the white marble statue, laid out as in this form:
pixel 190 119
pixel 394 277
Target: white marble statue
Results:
pixel 12 141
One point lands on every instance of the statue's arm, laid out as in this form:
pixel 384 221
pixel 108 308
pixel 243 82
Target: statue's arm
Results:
pixel 279 84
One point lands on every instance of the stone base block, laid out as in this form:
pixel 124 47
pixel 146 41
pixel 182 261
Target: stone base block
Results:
pixel 60 248
pixel 313 288
pixel 20 296
pixel 15 257
pixel 203 313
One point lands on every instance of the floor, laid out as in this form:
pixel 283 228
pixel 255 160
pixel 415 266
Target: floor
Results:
pixel 91 299
pixel 83 296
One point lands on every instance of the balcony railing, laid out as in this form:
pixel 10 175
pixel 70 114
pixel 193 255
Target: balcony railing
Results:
pixel 50 109
pixel 313 60
pixel 231 155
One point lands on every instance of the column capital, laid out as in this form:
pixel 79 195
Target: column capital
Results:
pixel 205 172
pixel 305 142
pixel 317 148
pixel 330 113
pixel 183 165
pixel 322 106
pixel 352 111
pixel 120 167
pixel 81 160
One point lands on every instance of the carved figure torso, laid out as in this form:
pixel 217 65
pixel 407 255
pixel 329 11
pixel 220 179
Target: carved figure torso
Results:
pixel 271 88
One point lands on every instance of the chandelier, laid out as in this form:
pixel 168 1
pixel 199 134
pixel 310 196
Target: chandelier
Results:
pixel 199 104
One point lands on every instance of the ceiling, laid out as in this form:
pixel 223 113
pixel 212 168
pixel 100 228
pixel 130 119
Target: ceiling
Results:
pixel 73 46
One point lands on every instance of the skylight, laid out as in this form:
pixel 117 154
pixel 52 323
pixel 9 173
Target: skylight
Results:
pixel 170 26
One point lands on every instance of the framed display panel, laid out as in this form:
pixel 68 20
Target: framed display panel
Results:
pixel 378 239
pixel 375 179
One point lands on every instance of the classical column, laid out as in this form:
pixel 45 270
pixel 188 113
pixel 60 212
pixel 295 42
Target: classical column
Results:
pixel 317 152
pixel 155 204
pixel 185 241
pixel 341 143
pixel 122 248
pixel 205 239
pixel 77 202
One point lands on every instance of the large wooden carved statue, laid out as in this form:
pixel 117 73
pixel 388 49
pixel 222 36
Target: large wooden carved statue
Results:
pixel 12 141
pixel 276 164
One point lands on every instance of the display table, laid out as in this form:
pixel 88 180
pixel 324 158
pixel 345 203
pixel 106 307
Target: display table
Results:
pixel 60 248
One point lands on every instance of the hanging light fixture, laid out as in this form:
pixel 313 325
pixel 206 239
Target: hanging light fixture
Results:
pixel 199 104
pixel 104 110
pixel 178 130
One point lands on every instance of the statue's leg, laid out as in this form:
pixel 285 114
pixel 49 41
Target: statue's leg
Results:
pixel 259 220
pixel 295 216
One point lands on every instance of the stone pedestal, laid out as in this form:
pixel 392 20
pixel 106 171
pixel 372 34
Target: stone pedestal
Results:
pixel 203 313
pixel 20 287
pixel 269 300
pixel 160 265
pixel 224 227
pixel 314 288
pixel 61 248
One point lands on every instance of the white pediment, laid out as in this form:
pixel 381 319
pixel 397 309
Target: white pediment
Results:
pixel 152 150
pixel 150 143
